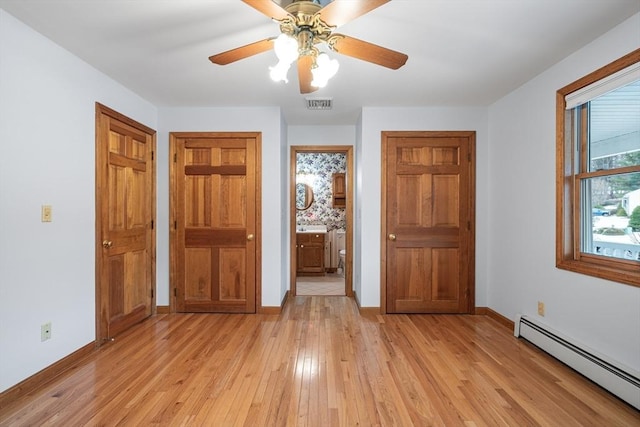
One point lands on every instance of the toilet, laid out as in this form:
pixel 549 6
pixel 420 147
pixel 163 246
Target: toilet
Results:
pixel 340 250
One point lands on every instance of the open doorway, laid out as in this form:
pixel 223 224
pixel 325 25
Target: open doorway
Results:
pixel 321 193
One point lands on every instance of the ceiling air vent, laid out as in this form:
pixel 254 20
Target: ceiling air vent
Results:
pixel 319 103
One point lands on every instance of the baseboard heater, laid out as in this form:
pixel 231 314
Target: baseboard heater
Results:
pixel 620 380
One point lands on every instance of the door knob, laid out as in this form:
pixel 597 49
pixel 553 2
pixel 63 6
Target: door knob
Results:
pixel 107 244
pixel 250 237
pixel 392 237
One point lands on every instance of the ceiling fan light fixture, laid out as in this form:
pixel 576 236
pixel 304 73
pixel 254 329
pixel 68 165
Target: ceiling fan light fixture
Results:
pixel 305 24
pixel 279 72
pixel 324 69
pixel 286 48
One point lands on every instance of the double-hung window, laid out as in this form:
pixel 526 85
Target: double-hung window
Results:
pixel 598 173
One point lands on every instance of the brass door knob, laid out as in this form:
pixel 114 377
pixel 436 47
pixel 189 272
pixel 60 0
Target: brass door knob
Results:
pixel 250 237
pixel 392 237
pixel 107 244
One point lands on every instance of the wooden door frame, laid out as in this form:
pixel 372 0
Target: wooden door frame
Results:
pixel 383 214
pixel 101 289
pixel 348 151
pixel 173 203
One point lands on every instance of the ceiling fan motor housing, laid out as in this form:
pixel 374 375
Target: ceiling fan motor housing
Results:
pixel 305 25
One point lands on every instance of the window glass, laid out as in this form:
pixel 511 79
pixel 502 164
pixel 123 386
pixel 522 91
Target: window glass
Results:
pixel 612 144
pixel 614 129
pixel 607 224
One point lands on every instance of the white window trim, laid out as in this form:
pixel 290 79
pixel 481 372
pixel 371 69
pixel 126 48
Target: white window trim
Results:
pixel 602 86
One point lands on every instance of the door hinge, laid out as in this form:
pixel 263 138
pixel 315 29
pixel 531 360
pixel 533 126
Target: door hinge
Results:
pixel 152 155
pixel 151 293
pixel 175 157
pixel 152 224
pixel 175 225
pixel 175 292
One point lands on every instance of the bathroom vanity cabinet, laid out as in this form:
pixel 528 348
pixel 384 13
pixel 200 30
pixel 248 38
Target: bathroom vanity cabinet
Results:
pixel 310 254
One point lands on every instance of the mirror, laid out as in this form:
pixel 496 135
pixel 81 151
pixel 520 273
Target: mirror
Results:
pixel 304 196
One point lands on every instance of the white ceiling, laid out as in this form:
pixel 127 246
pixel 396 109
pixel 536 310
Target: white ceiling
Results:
pixel 461 52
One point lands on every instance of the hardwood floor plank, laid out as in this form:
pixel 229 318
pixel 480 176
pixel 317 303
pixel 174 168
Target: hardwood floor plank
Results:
pixel 319 363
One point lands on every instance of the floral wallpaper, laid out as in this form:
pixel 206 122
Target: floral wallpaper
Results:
pixel 317 170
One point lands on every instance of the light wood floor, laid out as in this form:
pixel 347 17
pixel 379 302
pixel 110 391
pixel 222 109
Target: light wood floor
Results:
pixel 320 364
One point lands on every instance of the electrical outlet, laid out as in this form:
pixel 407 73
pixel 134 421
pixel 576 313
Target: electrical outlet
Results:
pixel 45 331
pixel 47 212
pixel 541 308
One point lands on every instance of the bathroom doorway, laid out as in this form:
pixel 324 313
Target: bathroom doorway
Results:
pixel 321 194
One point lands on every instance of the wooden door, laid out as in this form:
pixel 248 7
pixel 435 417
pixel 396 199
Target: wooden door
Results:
pixel 125 213
pixel 428 229
pixel 215 237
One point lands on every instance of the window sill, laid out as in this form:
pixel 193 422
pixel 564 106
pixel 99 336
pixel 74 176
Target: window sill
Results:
pixel 625 272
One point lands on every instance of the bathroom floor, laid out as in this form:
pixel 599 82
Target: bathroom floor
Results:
pixel 330 284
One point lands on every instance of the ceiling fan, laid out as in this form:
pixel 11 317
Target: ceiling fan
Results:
pixel 303 25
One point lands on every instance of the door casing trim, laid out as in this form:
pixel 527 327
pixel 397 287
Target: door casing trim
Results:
pixel 348 150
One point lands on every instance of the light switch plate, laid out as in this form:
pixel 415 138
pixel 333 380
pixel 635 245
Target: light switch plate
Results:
pixel 47 213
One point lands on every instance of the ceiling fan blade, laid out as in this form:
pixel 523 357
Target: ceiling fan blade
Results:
pixel 268 8
pixel 369 52
pixel 242 52
pixel 304 74
pixel 339 12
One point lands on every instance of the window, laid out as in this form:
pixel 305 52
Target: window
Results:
pixel 598 173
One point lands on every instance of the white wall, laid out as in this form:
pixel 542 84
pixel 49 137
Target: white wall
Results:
pixel 373 122
pixel 322 135
pixel 266 120
pixel 357 215
pixel 601 314
pixel 285 219
pixel 47 135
